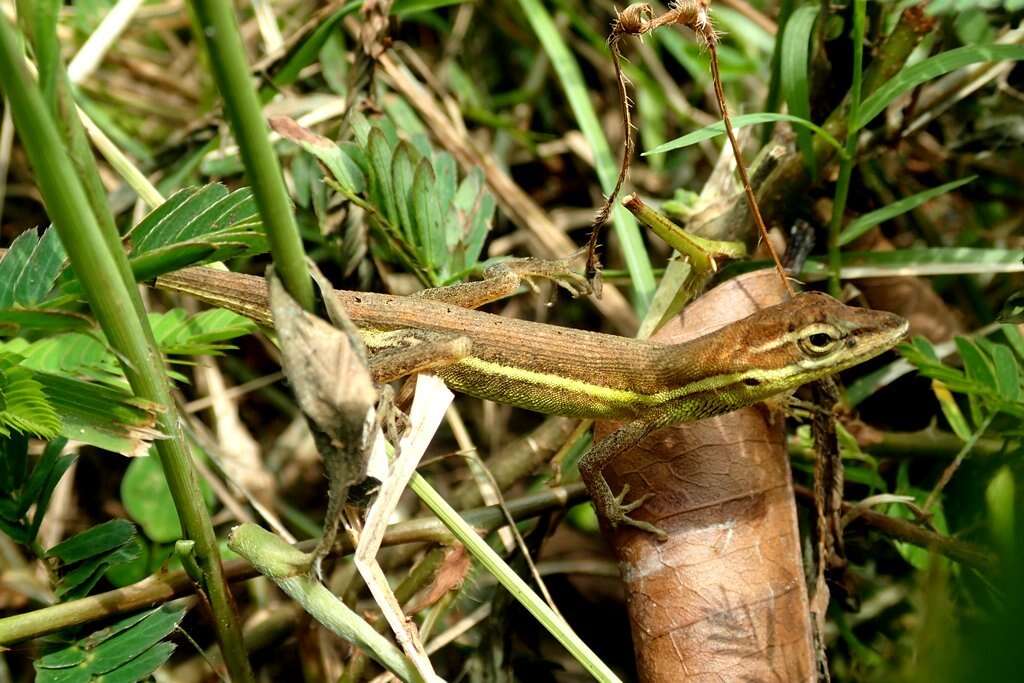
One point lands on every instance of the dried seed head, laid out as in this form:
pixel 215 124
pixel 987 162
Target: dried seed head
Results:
pixel 634 20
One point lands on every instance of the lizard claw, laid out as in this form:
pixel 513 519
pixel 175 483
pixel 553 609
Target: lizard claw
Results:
pixel 560 271
pixel 622 509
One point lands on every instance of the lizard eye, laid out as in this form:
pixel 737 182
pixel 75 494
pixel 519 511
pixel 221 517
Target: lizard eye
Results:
pixel 819 343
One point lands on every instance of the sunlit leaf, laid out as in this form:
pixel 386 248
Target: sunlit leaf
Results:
pixel 916 74
pixel 715 129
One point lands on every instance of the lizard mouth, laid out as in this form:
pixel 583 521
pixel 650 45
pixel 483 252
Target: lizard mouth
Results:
pixel 880 337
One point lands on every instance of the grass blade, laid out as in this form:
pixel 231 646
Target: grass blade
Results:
pixel 795 69
pixel 576 91
pixel 718 128
pixel 869 220
pixel 933 67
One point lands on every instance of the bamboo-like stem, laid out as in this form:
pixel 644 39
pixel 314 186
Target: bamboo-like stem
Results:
pixel 40 28
pixel 219 33
pixel 115 306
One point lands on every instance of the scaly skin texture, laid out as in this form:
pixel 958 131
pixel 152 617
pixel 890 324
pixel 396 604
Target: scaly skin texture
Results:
pixel 562 371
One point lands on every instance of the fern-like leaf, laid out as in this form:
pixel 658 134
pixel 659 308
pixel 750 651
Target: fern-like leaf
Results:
pixel 23 403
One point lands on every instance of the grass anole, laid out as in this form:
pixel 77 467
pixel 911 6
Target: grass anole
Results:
pixel 561 371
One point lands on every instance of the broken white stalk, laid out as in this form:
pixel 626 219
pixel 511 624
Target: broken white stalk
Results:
pixel 428 408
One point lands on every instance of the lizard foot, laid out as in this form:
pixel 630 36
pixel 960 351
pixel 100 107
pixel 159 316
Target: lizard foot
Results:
pixel 560 271
pixel 620 514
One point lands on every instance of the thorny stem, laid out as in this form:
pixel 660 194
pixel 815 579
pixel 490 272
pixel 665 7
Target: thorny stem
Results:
pixel 637 19
pixel 619 29
pixel 740 166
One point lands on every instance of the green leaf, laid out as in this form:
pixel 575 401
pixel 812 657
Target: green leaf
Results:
pixel 209 215
pixel 116 652
pixel 136 570
pixel 469 221
pixel 718 128
pixel 403 166
pixel 79 581
pixel 446 183
pixel 30 268
pixel 795 70
pixel 21 490
pixel 141 667
pixel 1000 496
pixel 45 476
pixel 13 462
pixel 1014 338
pixel 429 231
pixel 126 652
pixel 978 369
pixel 912 76
pixel 167 259
pixel 24 406
pixel 383 193
pixel 341 166
pixel 74 355
pixel 869 220
pixel 148 501
pixel 168 218
pixel 14 321
pixel 45 265
pixel 178 333
pixel 948 404
pixel 99 415
pixel 13 265
pixel 86 557
pixel 1013 309
pixel 307 51
pixel 100 539
pixel 1008 374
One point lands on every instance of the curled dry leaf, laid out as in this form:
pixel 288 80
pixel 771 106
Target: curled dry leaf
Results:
pixel 374 33
pixel 327 369
pixel 727 588
pixel 449 576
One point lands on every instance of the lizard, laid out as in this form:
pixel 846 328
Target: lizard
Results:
pixel 576 373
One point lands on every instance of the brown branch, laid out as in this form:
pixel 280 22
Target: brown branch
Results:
pixel 902 530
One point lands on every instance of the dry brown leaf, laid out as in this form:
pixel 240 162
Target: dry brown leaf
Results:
pixel 449 576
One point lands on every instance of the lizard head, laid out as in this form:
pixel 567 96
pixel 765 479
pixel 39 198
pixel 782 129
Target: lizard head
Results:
pixel 812 336
pixel 798 341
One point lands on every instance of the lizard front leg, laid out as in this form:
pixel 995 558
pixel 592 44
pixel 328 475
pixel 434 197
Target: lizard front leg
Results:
pixel 592 464
pixel 503 279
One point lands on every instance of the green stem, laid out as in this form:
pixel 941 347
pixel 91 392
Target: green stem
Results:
pixel 219 33
pixel 511 581
pixel 846 164
pixel 287 567
pixel 115 306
